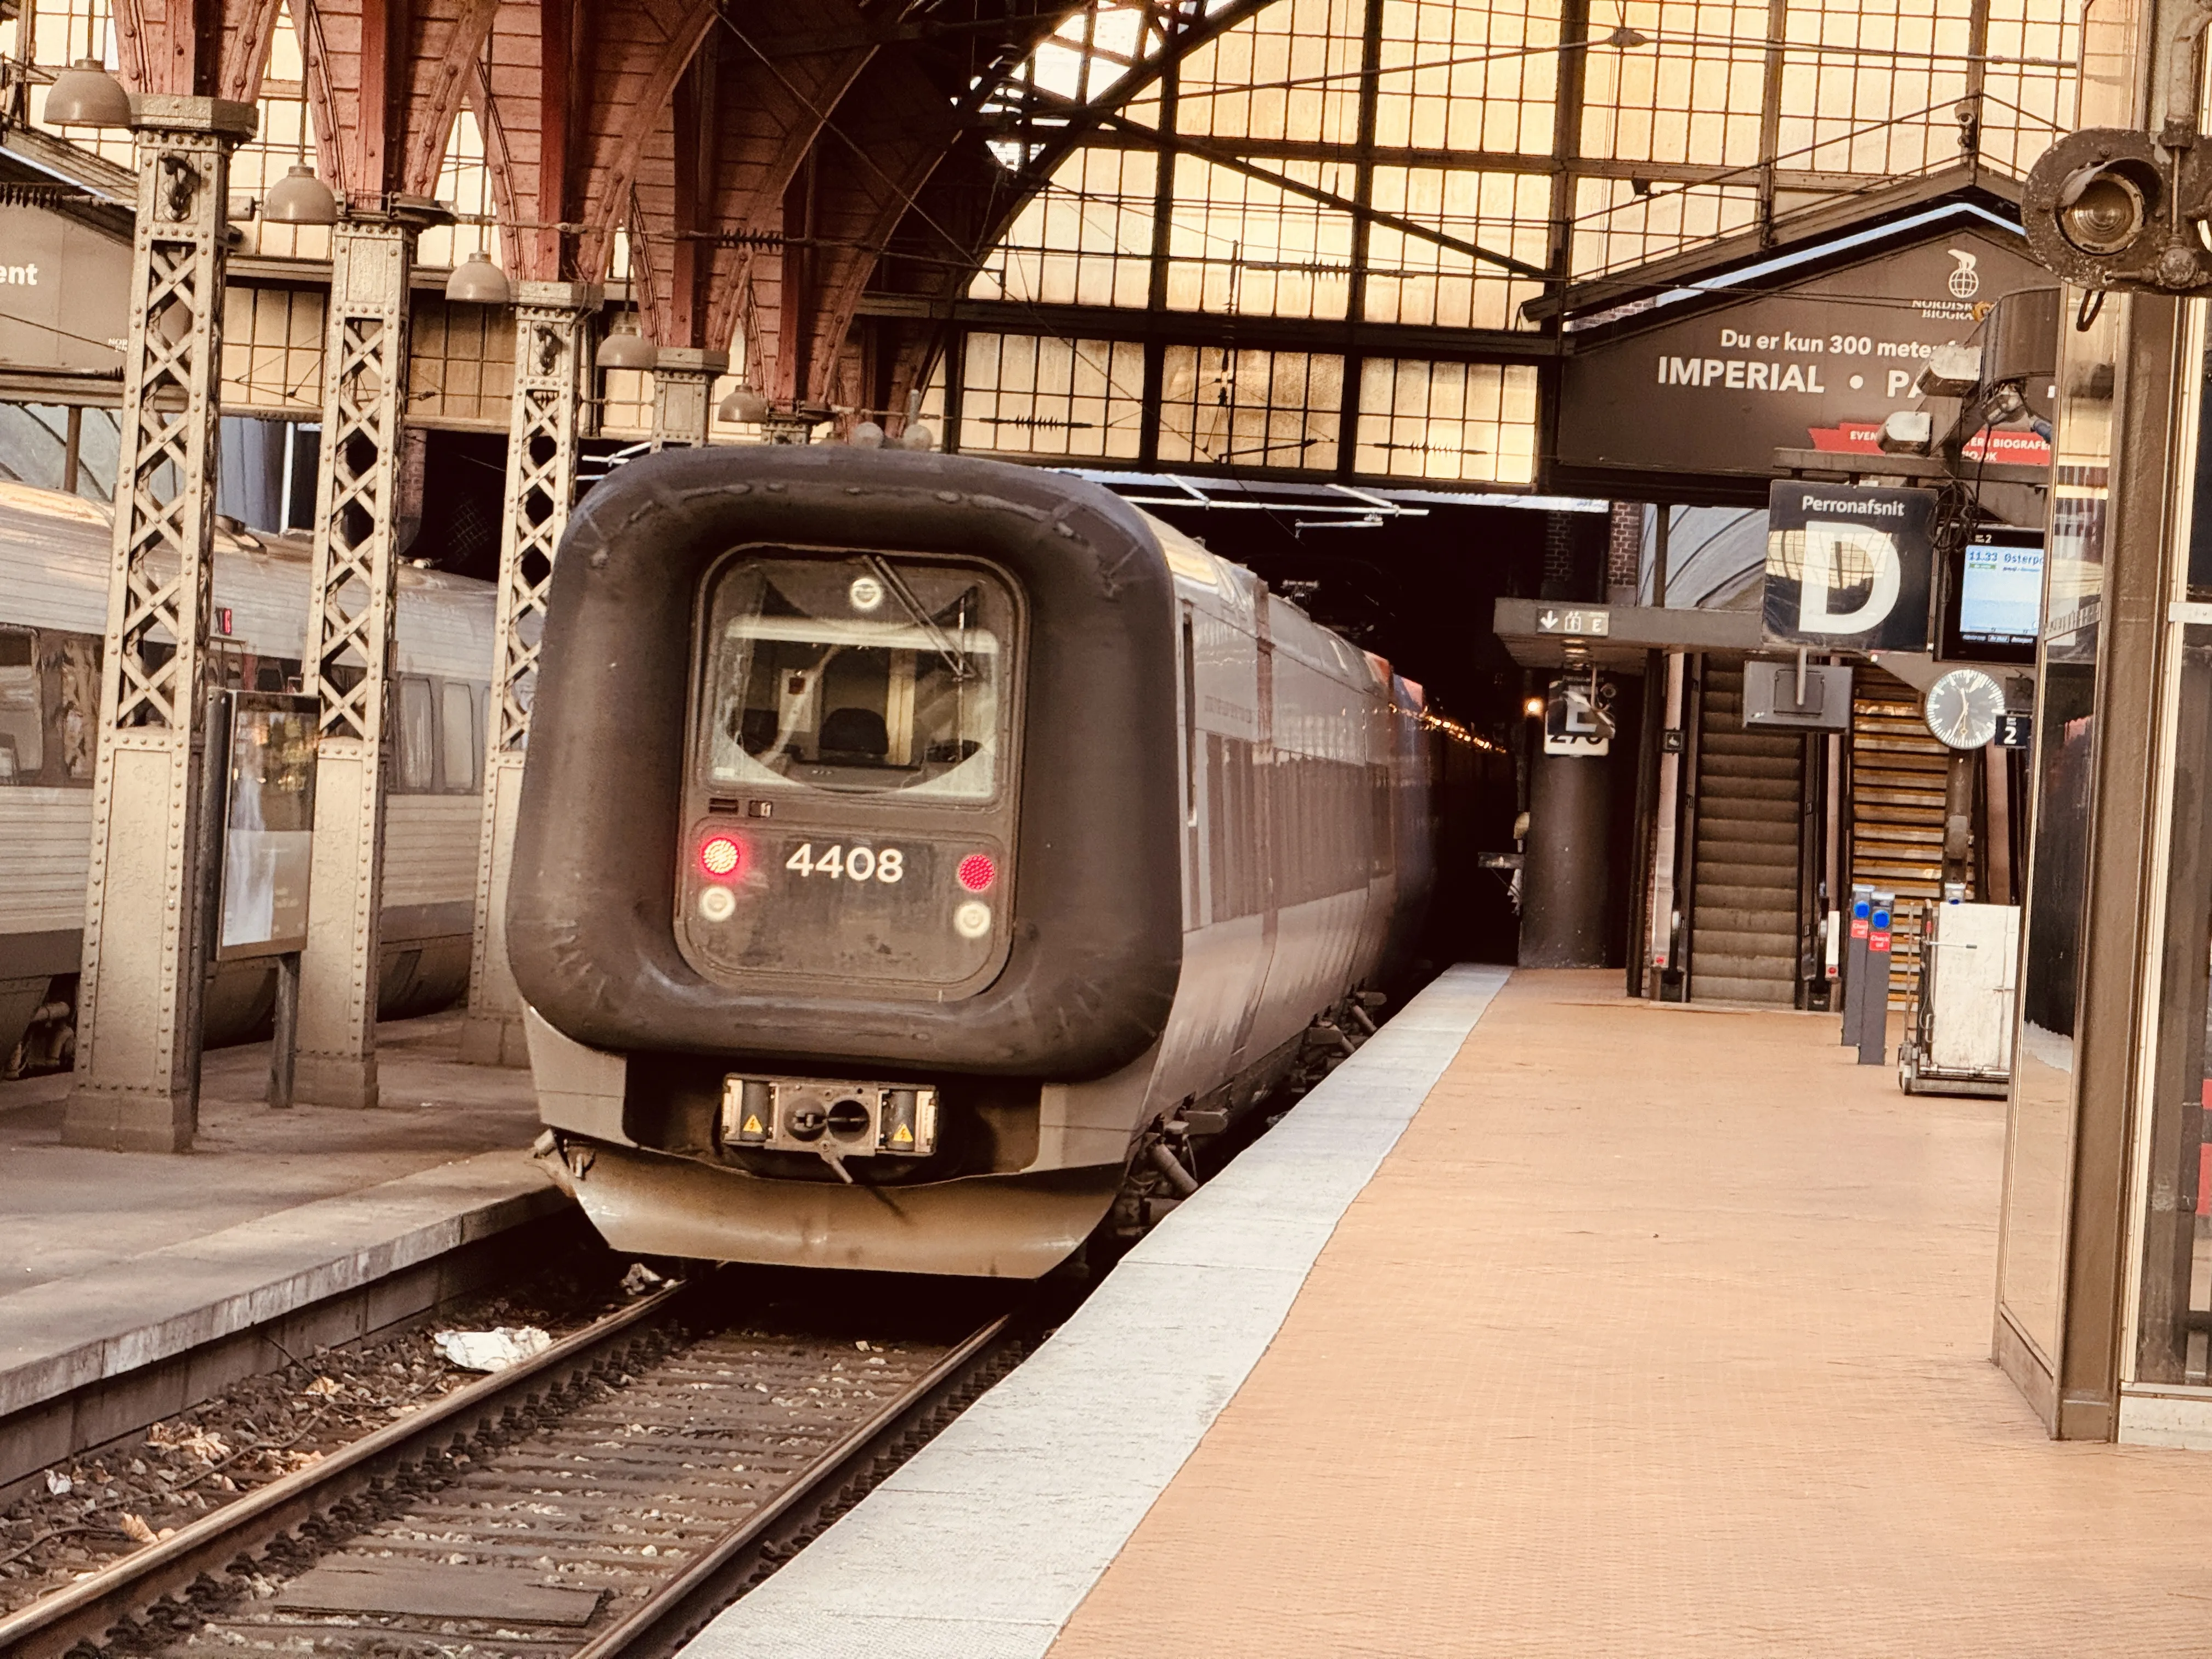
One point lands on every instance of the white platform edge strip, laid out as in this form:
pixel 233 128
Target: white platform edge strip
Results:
pixel 983 1546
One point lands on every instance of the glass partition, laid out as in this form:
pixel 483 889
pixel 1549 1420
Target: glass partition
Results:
pixel 2039 1143
pixel 2040 1139
pixel 2173 1307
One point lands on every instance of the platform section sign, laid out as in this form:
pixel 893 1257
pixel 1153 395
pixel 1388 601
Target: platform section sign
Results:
pixel 1578 718
pixel 1848 569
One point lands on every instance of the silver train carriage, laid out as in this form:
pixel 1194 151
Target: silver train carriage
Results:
pixel 54 558
pixel 917 855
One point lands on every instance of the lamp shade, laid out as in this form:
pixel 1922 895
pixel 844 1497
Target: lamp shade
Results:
pixel 627 352
pixel 866 435
pixel 86 95
pixel 300 198
pixel 917 436
pixel 744 406
pixel 476 281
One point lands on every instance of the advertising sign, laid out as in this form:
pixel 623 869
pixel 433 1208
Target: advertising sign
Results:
pixel 64 293
pixel 1848 569
pixel 268 824
pixel 1708 386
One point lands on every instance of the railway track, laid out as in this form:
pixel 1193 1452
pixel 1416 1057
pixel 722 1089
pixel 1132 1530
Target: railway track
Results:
pixel 603 1498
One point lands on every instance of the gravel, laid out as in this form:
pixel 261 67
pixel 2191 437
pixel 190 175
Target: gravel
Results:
pixel 102 1505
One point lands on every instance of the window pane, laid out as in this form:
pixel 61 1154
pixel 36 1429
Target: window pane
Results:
pixel 866 675
pixel 1466 421
pixel 73 661
pixel 417 739
pixel 1026 394
pixel 23 723
pixel 1278 409
pixel 459 738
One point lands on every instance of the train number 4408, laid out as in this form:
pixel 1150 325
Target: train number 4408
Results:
pixel 852 863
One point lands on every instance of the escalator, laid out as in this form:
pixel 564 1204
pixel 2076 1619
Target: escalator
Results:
pixel 1750 792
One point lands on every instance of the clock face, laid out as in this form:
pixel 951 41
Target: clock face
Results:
pixel 1963 706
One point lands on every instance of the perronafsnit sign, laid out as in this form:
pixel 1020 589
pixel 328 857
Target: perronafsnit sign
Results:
pixel 1848 569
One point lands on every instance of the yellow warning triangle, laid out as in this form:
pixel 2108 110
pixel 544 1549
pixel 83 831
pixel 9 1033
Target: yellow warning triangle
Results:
pixel 903 1136
pixel 752 1126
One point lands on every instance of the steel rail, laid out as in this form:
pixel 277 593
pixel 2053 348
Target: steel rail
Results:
pixel 726 1569
pixel 89 1609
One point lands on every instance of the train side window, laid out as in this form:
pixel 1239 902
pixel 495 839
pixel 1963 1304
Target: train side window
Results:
pixel 418 737
pixel 461 734
pixel 70 666
pixel 22 711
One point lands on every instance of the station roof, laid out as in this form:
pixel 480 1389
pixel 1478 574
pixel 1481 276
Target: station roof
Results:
pixel 1343 238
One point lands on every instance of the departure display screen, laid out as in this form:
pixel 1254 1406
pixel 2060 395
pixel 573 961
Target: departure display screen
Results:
pixel 2000 588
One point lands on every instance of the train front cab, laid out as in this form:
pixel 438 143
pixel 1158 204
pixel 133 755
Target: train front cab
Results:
pixel 847 899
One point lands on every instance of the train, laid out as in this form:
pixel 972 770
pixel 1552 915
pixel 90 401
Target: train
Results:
pixel 55 554
pixel 927 864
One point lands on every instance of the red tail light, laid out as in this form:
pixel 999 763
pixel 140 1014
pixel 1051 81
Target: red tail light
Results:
pixel 977 871
pixel 722 856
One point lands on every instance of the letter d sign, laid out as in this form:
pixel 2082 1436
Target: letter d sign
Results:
pixel 1847 558
pixel 1848 569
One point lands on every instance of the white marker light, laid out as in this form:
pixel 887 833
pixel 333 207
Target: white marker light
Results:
pixel 717 903
pixel 972 921
pixel 865 592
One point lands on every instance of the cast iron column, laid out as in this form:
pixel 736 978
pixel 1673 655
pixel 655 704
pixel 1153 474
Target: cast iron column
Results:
pixel 552 346
pixel 683 387
pixel 351 604
pixel 137 1086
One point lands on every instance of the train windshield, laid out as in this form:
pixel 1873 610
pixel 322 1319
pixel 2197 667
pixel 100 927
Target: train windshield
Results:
pixel 865 675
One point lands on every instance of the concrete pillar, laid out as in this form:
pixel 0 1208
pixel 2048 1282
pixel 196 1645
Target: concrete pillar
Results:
pixel 1566 871
pixel 552 344
pixel 683 386
pixel 351 605
pixel 136 1085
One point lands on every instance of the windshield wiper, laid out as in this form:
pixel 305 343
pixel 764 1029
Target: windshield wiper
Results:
pixel 936 637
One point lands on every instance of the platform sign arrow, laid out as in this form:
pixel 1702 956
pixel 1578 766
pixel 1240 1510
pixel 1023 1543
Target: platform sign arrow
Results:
pixel 1579 620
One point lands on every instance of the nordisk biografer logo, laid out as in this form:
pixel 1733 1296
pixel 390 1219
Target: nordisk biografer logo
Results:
pixel 1966 281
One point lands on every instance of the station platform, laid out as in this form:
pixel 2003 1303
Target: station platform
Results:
pixel 134 1283
pixel 1657 1330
